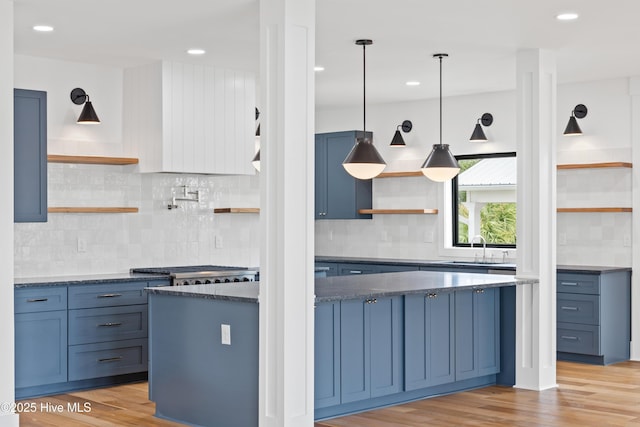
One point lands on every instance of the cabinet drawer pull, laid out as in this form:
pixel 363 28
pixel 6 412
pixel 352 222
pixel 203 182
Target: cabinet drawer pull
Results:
pixel 569 283
pixel 570 308
pixel 38 300
pixel 111 324
pixel 109 295
pixel 355 271
pixel 566 337
pixel 110 359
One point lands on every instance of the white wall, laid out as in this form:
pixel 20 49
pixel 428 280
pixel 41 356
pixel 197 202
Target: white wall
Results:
pixel 116 242
pixel 6 215
pixel 606 138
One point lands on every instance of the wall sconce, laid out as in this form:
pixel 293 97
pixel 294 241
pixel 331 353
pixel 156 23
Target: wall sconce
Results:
pixel 397 140
pixel 579 112
pixel 478 134
pixel 88 114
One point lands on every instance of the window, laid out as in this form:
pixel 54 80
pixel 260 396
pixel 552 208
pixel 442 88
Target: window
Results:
pixel 484 200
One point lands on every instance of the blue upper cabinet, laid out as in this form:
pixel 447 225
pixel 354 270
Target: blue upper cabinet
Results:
pixel 338 194
pixel 30 155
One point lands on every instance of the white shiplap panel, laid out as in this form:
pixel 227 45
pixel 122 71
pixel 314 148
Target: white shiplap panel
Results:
pixel 200 119
pixel 210 121
pixel 177 106
pixel 238 120
pixel 230 128
pixel 167 115
pixel 248 141
pixel 189 123
pixel 220 120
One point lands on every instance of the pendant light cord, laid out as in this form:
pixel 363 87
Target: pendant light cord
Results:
pixel 440 100
pixel 364 91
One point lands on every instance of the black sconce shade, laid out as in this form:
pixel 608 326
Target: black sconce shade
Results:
pixel 478 134
pixel 397 140
pixel 256 159
pixel 88 114
pixel 579 112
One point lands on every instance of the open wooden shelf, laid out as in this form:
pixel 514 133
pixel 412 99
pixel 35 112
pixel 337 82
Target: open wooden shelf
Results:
pixel 398 211
pixel 399 174
pixel 91 160
pixel 70 209
pixel 236 210
pixel 595 210
pixel 596 165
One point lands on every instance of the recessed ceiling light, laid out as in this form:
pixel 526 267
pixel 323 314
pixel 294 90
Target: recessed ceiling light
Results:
pixel 196 51
pixel 318 68
pixel 413 83
pixel 43 28
pixel 569 16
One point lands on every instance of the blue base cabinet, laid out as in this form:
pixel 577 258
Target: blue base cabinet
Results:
pixel 429 340
pixel 327 354
pixel 338 195
pixel 594 317
pixel 477 332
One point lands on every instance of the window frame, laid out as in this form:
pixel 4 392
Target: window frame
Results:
pixel 454 201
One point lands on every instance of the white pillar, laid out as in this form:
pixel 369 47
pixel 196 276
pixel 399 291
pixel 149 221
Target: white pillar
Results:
pixel 536 225
pixel 6 214
pixel 634 91
pixel 287 56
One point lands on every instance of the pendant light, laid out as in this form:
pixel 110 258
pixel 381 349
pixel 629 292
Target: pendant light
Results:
pixel 364 161
pixel 88 114
pixel 579 112
pixel 440 165
pixel 478 134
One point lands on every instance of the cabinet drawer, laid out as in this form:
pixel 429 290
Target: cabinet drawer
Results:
pixel 121 293
pixel 93 325
pixel 107 359
pixel 578 283
pixel 576 338
pixel 578 308
pixel 347 269
pixel 30 300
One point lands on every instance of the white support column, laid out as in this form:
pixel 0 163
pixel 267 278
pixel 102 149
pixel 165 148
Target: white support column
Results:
pixel 7 419
pixel 536 228
pixel 287 55
pixel 634 91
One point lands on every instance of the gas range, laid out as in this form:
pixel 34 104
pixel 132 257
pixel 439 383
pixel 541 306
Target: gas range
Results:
pixel 201 274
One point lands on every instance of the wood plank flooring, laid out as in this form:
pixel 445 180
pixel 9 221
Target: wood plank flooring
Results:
pixel 587 396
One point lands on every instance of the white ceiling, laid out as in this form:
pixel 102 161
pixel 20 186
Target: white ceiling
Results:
pixel 480 36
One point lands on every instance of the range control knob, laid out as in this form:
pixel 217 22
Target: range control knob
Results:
pixel 198 282
pixel 245 279
pixel 217 281
pixel 185 283
pixel 227 280
pixel 236 280
pixel 206 282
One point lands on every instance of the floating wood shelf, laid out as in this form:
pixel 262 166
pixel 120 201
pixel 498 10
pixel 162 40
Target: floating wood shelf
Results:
pixel 236 210
pixel 92 210
pixel 398 211
pixel 596 165
pixel 91 160
pixel 399 174
pixel 595 210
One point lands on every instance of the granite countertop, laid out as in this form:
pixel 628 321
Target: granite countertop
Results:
pixel 589 269
pixel 350 287
pixel 89 279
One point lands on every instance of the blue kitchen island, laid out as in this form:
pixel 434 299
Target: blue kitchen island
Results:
pixel 380 339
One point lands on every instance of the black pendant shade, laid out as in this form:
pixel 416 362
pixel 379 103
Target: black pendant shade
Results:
pixel 579 112
pixel 440 165
pixel 398 140
pixel 256 159
pixel 364 161
pixel 478 133
pixel 88 114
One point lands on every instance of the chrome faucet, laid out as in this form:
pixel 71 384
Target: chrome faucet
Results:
pixel 484 246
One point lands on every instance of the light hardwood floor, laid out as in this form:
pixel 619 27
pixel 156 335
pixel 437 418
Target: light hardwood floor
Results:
pixel 587 396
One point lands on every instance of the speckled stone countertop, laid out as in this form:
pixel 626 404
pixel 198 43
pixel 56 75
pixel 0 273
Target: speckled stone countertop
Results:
pixel 589 269
pixel 356 286
pixel 89 279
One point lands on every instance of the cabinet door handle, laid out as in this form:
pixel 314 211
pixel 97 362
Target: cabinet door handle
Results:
pixel 432 295
pixel 371 301
pixel 569 283
pixel 109 295
pixel 355 271
pixel 570 308
pixel 111 324
pixel 479 291
pixel 566 337
pixel 38 300
pixel 110 359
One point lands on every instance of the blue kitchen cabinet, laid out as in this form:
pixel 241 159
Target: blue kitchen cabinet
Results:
pixel 593 316
pixel 477 332
pixel 327 354
pixel 29 156
pixel 429 340
pixel 40 337
pixel 370 348
pixel 338 195
pixel 331 268
pixel 357 268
